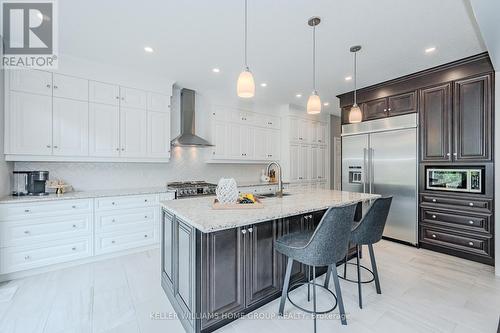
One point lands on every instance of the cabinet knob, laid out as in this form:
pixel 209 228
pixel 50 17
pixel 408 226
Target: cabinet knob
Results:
pixel 448 154
pixel 385 110
pixel 48 146
pixel 26 210
pixel 145 216
pixel 244 231
pixel 113 220
pixel 112 242
pixel 455 154
pixel 48 85
pixel 74 225
pixel 117 149
pixel 123 149
pixel 434 200
pixel 433 236
pixel 471 204
pixel 389 109
pixel 433 216
pixel 471 222
pixel 73 248
pixel 471 244
pixel 74 207
pixel 250 229
pixel 55 87
pixel 27 258
pixel 145 236
pixel 26 232
pixel 117 97
pixel 113 203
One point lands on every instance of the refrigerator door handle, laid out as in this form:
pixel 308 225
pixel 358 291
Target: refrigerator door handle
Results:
pixel 371 152
pixel 365 169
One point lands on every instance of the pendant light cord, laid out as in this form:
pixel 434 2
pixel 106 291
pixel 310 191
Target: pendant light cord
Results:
pixel 246 33
pixel 314 58
pixel 355 78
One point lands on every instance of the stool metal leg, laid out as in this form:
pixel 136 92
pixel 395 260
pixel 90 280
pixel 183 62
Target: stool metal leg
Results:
pixel 345 266
pixel 314 296
pixel 285 285
pixel 339 296
pixel 327 276
pixel 374 268
pixel 308 285
pixel 359 277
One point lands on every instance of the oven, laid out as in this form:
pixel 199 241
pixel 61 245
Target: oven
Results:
pixel 463 179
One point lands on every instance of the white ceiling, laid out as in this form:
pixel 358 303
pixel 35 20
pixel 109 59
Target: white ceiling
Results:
pixel 190 37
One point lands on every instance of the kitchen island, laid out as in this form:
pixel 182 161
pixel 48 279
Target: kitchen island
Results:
pixel 220 264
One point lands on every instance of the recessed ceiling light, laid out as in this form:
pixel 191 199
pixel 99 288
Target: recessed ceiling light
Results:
pixel 263 84
pixel 430 49
pixel 148 49
pixel 348 78
pixel 298 95
pixel 326 104
pixel 216 70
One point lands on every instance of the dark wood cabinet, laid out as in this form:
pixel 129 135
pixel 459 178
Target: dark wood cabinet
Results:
pixel 263 263
pixel 472 119
pixel 344 114
pixel 435 123
pixel 402 104
pixel 374 109
pixel 223 269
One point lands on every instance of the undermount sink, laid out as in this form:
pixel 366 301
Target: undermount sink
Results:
pixel 271 195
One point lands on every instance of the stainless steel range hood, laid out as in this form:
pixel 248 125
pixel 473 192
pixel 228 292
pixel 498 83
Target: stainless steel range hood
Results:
pixel 188 138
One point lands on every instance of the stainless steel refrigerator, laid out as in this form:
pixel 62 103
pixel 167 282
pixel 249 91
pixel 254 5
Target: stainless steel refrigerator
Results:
pixel 380 156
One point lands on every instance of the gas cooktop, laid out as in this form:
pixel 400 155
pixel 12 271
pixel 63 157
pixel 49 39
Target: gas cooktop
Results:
pixel 192 188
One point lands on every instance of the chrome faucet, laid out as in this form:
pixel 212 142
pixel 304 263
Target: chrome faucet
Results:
pixel 279 193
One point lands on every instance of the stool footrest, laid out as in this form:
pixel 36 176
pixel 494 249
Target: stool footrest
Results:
pixel 356 281
pixel 306 310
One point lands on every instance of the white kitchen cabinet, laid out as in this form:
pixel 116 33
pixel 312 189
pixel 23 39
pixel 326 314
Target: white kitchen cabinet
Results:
pixel 272 144
pixel 233 140
pixel 158 102
pixel 220 140
pixel 321 133
pixel 105 93
pixel 133 98
pixel 261 144
pixel 158 134
pixel 294 129
pixel 70 87
pixel 321 163
pixel 247 142
pixel 31 81
pixel 104 130
pixel 304 131
pixel 294 163
pixel 313 174
pixel 133 136
pixel 70 127
pixel 30 124
pixel 303 162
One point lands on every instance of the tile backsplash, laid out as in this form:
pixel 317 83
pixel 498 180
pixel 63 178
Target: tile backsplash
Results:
pixel 185 164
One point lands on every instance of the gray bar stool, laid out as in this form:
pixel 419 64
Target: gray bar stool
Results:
pixel 367 232
pixel 324 247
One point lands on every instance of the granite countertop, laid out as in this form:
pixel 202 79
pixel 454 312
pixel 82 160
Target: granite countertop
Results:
pixel 198 212
pixel 257 183
pixel 84 194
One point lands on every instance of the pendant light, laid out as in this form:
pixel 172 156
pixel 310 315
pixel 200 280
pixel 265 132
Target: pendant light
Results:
pixel 314 102
pixel 246 84
pixel 355 115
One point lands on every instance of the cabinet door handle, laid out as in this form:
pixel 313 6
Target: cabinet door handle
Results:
pixel 74 225
pixel 471 222
pixel 145 216
pixel 433 216
pixel 26 210
pixel 113 203
pixel 27 258
pixel 145 236
pixel 434 236
pixel 112 242
pixel 244 231
pixel 250 230
pixel 455 154
pixel 471 244
pixel 434 200
pixel 73 248
pixel 48 146
pixel 448 154
pixel 123 149
pixel 117 149
pixel 73 206
pixel 55 87
pixel 113 221
pixel 26 232
pixel 471 204
pixel 48 85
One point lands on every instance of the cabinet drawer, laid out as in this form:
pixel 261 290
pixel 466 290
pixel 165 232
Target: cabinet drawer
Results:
pixel 476 223
pixel 111 242
pixel 126 202
pixel 457 241
pixel 26 232
pixel 129 219
pixel 19 258
pixel 41 209
pixel 463 203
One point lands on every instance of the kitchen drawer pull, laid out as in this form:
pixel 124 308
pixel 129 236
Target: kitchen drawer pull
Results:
pixel 434 236
pixel 434 200
pixel 471 204
pixel 471 244
pixel 433 216
pixel 471 222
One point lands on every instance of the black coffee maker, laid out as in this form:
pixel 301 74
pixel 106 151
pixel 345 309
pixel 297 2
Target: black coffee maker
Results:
pixel 36 182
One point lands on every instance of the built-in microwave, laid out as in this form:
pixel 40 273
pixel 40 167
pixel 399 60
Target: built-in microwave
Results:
pixel 461 179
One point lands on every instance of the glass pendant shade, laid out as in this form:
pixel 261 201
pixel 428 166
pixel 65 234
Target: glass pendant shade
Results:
pixel 246 84
pixel 314 104
pixel 355 115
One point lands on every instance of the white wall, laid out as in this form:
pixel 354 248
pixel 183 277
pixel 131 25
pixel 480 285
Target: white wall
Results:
pixel 486 13
pixel 185 163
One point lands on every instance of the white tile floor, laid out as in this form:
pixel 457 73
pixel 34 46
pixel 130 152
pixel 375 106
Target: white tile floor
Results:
pixel 422 291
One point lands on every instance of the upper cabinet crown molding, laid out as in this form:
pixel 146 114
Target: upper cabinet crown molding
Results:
pixel 58 117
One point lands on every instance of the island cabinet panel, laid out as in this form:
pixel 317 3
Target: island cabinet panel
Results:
pixel 263 263
pixel 166 250
pixel 472 119
pixel 223 275
pixel 290 225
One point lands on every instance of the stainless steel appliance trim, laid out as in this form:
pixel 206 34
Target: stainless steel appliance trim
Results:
pixel 381 125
